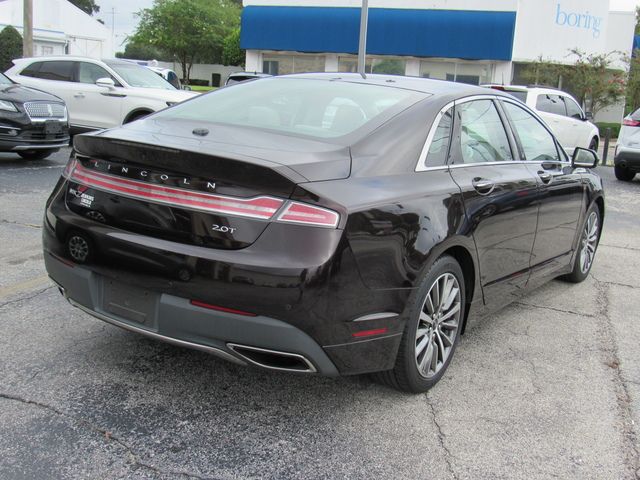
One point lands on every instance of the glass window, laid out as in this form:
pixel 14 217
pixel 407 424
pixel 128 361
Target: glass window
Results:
pixel 551 104
pixel 61 71
pixel 384 66
pixel 138 76
pixel 90 72
pixel 482 134
pixel 573 110
pixel 308 107
pixel 439 147
pixel 282 64
pixel 535 139
pixel 462 72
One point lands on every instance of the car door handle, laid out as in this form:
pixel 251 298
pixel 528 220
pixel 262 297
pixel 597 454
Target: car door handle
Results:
pixel 79 95
pixel 545 177
pixel 483 186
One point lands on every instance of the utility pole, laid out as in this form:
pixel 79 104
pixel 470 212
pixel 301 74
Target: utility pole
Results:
pixel 362 46
pixel 27 29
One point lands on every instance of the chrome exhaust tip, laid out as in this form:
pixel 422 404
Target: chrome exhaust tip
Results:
pixel 273 359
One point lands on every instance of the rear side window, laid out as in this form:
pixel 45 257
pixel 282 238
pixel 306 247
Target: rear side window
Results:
pixel 551 104
pixel 55 70
pixel 439 147
pixel 536 141
pixel 482 134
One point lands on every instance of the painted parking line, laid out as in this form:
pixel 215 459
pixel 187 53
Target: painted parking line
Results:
pixel 26 286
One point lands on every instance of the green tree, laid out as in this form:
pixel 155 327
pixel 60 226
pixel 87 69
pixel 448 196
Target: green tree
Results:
pixel 591 78
pixel 189 30
pixel 10 47
pixel 87 6
pixel 232 54
pixel 136 51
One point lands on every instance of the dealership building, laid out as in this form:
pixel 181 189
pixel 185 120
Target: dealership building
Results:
pixel 472 41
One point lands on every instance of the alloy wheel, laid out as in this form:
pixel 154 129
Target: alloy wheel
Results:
pixel 438 325
pixel 589 242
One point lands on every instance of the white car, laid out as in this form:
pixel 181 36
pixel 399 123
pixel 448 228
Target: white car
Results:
pixel 98 93
pixel 627 159
pixel 561 112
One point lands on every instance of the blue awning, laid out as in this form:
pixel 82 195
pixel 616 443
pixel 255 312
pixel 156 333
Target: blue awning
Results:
pixel 473 35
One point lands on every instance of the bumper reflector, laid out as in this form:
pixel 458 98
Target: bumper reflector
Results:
pixel 369 333
pixel 217 308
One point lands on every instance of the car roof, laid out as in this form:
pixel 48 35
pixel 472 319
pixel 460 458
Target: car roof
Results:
pixel 424 85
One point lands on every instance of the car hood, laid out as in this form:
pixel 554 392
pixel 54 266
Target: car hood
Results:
pixel 311 160
pixel 19 94
pixel 174 96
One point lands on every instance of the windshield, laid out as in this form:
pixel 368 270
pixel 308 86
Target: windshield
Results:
pixel 316 108
pixel 519 94
pixel 142 77
pixel 4 80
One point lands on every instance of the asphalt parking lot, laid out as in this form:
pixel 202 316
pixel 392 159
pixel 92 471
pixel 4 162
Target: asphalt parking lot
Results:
pixel 548 388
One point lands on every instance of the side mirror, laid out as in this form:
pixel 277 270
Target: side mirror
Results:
pixel 588 116
pixel 106 82
pixel 186 87
pixel 584 158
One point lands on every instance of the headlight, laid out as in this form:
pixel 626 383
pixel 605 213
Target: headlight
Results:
pixel 7 106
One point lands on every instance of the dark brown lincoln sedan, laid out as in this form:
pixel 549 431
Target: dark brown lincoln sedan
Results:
pixel 322 223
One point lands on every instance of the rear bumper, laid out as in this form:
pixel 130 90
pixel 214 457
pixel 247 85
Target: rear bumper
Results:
pixel 628 158
pixel 177 321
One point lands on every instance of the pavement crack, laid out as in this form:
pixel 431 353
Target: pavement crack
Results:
pixel 29 225
pixel 554 309
pixel 28 297
pixel 609 348
pixel 107 435
pixel 448 456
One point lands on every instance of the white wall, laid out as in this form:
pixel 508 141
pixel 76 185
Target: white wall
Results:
pixel 550 28
pixel 60 20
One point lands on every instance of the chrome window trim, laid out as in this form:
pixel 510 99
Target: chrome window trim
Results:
pixel 421 165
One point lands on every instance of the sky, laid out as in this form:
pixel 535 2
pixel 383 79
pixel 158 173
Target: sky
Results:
pixel 125 18
pixel 126 21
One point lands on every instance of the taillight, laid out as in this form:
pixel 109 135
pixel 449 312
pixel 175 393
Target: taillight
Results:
pixel 305 214
pixel 630 122
pixel 264 208
pixel 69 167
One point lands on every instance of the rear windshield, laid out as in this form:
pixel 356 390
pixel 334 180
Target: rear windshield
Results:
pixel 519 94
pixel 316 108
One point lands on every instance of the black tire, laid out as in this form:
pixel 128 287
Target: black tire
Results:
pixel 594 144
pixel 37 154
pixel 579 273
pixel 406 376
pixel 623 174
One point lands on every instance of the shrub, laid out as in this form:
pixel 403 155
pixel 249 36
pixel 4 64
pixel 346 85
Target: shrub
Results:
pixel 10 47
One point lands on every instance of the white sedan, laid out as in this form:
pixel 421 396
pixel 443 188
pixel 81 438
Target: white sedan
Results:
pixel 98 93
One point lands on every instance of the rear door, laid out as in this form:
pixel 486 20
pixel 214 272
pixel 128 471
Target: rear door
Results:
pixel 499 194
pixel 56 77
pixel 552 110
pixel 561 192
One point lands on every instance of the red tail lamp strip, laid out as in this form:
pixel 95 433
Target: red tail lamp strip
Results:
pixel 309 215
pixel 217 308
pixel 369 333
pixel 258 207
pixel 630 122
